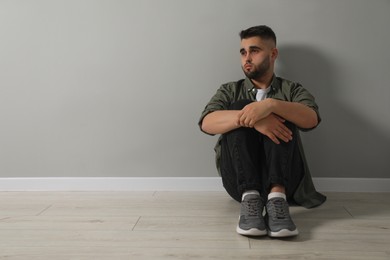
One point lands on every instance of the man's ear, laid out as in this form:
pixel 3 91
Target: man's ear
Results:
pixel 274 53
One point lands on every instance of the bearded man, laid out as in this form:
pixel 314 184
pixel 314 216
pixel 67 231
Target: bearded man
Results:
pixel 259 153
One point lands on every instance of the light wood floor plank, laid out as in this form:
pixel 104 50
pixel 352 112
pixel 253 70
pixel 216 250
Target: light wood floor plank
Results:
pixel 115 238
pixel 189 224
pixel 68 223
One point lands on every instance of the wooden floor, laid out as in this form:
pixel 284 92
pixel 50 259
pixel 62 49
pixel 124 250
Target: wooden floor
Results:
pixel 183 225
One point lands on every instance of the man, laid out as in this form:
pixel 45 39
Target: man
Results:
pixel 259 153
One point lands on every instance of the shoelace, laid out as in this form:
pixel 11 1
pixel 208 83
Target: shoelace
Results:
pixel 279 209
pixel 252 207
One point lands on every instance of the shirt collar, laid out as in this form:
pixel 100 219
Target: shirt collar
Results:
pixel 251 88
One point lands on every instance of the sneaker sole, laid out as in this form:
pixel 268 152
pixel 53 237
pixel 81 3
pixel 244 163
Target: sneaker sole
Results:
pixel 251 232
pixel 283 233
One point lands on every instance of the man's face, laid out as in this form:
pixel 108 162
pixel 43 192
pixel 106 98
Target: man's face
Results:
pixel 257 57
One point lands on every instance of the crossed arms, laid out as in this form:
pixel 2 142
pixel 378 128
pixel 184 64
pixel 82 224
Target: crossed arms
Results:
pixel 267 117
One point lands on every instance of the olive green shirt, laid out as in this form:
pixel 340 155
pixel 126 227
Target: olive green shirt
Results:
pixel 281 89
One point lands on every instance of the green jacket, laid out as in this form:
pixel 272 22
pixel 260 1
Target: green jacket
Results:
pixel 281 89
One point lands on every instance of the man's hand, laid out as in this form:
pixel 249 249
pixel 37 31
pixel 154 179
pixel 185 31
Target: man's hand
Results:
pixel 273 126
pixel 253 112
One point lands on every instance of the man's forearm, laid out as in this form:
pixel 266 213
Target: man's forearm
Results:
pixel 297 113
pixel 220 122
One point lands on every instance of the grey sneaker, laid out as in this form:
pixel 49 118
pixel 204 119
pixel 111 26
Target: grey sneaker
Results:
pixel 251 222
pixel 278 219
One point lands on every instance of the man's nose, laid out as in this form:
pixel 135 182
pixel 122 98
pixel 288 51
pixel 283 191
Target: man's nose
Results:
pixel 248 58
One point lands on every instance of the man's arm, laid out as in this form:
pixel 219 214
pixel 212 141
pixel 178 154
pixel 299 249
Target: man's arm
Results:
pixel 221 121
pixel 259 115
pixel 297 113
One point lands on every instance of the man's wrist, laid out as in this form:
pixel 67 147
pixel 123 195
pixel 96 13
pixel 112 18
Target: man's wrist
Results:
pixel 271 104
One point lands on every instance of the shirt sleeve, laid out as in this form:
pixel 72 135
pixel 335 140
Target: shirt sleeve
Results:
pixel 220 101
pixel 301 95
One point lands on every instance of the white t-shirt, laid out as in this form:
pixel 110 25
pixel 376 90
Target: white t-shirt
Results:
pixel 262 93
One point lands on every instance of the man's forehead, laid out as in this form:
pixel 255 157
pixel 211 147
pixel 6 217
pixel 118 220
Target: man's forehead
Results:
pixel 256 42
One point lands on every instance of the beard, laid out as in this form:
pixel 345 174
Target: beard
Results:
pixel 258 70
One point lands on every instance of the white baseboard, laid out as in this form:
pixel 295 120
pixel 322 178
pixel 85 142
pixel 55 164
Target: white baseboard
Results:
pixel 112 184
pixel 173 184
pixel 353 184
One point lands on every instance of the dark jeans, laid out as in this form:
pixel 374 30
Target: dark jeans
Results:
pixel 252 161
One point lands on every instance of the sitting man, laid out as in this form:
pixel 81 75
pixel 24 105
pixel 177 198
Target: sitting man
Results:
pixel 259 153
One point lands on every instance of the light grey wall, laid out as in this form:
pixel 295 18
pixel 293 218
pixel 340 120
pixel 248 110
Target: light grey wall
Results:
pixel 115 88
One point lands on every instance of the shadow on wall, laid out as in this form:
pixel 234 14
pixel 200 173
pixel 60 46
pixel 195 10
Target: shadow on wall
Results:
pixel 345 144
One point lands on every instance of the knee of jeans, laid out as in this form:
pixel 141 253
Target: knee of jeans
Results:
pixel 240 104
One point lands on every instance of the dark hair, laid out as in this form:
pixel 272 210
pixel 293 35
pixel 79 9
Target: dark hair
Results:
pixel 262 31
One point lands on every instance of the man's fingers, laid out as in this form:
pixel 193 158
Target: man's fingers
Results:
pixel 283 137
pixel 285 132
pixel 246 121
pixel 273 138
